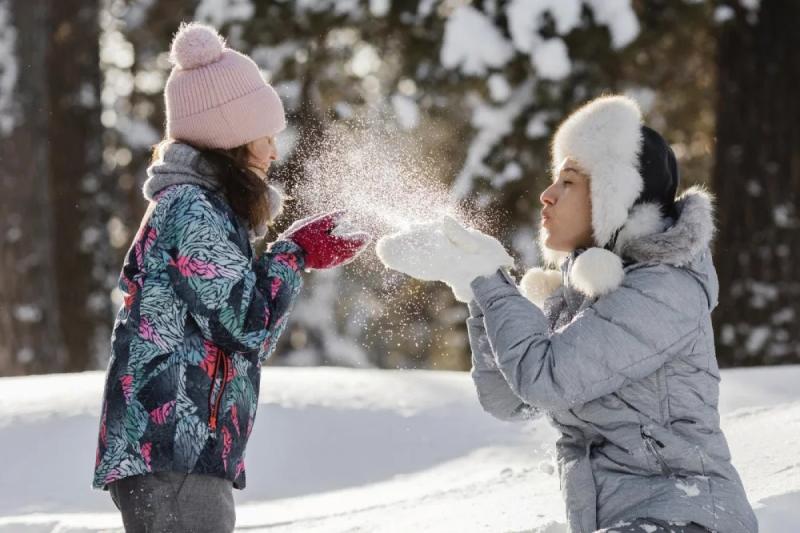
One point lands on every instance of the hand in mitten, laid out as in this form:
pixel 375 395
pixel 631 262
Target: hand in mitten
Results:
pixel 444 250
pixel 324 247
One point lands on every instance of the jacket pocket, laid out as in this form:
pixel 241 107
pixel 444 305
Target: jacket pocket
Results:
pixel 653 447
pixel 214 402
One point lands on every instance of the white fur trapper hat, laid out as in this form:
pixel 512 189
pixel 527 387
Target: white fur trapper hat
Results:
pixel 606 136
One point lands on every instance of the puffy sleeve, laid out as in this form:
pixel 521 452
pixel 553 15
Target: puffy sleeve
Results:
pixel 239 304
pixel 494 393
pixel 623 336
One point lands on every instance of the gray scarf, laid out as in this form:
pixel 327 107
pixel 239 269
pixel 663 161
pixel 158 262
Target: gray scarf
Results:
pixel 182 163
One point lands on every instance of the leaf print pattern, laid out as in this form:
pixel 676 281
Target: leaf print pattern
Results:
pixel 145 450
pixel 193 295
pixel 127 385
pixel 144 241
pixel 190 437
pixel 135 421
pixel 209 362
pixel 189 266
pixel 227 442
pixel 103 424
pixel 276 285
pixel 235 418
pixel 159 414
pixel 288 260
pixel 238 392
pixel 164 313
pixel 147 332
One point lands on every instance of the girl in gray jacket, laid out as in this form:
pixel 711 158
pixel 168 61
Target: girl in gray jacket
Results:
pixel 615 344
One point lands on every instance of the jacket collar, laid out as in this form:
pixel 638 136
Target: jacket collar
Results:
pixel 179 163
pixel 675 243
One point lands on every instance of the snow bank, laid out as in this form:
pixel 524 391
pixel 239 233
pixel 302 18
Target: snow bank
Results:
pixel 374 450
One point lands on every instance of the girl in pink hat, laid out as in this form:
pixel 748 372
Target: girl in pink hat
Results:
pixel 204 303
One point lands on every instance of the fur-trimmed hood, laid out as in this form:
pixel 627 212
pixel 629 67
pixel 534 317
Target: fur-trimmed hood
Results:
pixel 647 236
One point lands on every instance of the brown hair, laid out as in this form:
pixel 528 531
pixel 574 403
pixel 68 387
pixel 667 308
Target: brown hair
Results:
pixel 245 190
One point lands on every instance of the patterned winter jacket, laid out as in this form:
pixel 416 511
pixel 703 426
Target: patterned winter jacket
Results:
pixel 199 317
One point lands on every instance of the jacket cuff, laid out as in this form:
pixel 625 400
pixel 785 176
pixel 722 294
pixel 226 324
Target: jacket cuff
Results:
pixel 287 248
pixel 488 288
pixel 475 310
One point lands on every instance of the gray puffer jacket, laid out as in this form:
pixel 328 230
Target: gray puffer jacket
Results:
pixel 630 379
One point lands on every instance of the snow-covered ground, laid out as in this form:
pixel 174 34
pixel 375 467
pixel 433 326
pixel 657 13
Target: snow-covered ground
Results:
pixel 371 450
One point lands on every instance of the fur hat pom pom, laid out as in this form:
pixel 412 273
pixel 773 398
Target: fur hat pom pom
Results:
pixel 196 45
pixel 596 272
pixel 537 284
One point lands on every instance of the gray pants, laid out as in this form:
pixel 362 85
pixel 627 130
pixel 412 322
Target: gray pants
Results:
pixel 175 502
pixel 651 525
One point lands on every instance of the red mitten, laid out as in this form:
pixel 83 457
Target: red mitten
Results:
pixel 323 247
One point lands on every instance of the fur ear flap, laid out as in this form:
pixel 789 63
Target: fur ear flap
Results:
pixel 596 272
pixel 537 284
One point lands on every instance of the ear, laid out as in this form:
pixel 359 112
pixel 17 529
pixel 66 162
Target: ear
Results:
pixel 537 284
pixel 596 272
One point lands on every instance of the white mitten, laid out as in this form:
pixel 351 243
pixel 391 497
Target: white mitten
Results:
pixel 443 250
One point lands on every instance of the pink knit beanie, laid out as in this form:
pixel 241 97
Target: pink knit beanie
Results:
pixel 216 96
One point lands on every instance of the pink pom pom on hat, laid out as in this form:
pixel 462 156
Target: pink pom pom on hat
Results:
pixel 215 96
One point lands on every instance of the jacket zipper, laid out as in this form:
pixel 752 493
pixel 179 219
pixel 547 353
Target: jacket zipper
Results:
pixel 214 409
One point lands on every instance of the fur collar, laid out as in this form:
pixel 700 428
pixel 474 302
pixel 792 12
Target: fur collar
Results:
pixel 182 163
pixel 646 236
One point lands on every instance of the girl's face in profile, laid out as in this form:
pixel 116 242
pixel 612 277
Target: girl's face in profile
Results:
pixel 567 209
pixel 263 151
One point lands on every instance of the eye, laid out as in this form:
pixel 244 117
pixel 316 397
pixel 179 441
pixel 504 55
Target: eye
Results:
pixel 567 182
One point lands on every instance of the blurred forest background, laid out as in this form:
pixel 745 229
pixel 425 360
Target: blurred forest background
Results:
pixel 476 86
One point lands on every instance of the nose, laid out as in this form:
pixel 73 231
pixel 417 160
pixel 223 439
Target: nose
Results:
pixel 547 197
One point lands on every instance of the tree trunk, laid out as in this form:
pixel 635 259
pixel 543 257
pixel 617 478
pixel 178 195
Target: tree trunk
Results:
pixel 80 199
pixel 757 182
pixel 52 230
pixel 30 333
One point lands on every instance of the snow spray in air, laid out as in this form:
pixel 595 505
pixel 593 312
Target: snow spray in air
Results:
pixel 386 182
pixel 382 179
